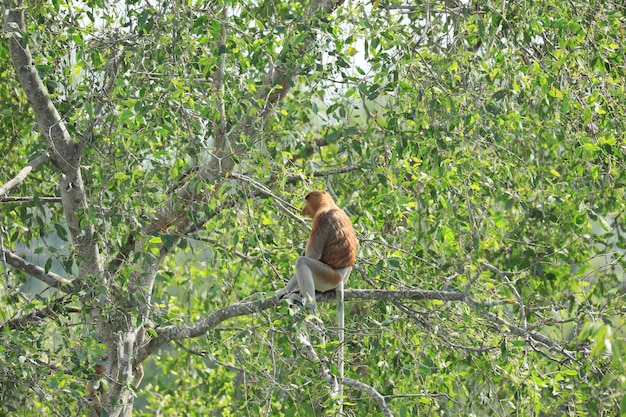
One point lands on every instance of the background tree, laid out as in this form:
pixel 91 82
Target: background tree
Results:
pixel 155 157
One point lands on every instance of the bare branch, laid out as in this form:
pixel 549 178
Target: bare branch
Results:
pixel 63 153
pixel 21 176
pixel 169 333
pixel 397 295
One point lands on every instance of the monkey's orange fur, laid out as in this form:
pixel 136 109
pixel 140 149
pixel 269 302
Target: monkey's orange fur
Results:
pixel 330 251
pixel 332 233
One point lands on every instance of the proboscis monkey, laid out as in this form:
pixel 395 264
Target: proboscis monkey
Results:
pixel 94 388
pixel 327 262
pixel 330 251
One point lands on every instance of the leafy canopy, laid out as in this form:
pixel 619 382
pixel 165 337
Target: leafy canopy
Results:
pixel 478 147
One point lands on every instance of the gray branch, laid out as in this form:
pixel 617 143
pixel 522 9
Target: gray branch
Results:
pixel 29 199
pixel 371 391
pixel 171 333
pixel 50 278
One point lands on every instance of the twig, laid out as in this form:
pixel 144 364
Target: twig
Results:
pixel 41 314
pixel 219 81
pixel 505 277
pixel 233 251
pixel 279 201
pixel 323 362
pixel 324 173
pixel 518 331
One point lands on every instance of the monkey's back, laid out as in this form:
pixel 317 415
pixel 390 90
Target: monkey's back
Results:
pixel 341 244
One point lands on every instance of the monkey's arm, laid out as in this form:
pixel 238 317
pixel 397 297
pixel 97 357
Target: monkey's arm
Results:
pixel 319 236
pixel 315 248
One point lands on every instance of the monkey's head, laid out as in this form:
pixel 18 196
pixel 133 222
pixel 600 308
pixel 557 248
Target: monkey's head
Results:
pixel 314 201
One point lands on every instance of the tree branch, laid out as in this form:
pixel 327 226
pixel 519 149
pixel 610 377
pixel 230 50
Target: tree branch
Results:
pixel 170 333
pixel 50 278
pixel 64 151
pixel 380 400
pixel 29 199
pixel 40 314
pixel 21 176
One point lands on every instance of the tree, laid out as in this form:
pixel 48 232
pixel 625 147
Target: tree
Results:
pixel 156 156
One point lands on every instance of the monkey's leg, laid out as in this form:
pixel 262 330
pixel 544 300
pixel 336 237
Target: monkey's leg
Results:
pixel 291 291
pixel 314 275
pixel 291 286
pixel 304 276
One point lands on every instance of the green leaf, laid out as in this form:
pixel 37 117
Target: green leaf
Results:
pixel 48 265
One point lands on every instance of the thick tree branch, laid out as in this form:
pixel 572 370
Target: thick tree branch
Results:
pixel 64 151
pixel 171 333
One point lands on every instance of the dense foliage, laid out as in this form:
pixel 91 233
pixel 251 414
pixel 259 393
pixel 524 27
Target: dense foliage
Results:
pixel 478 148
